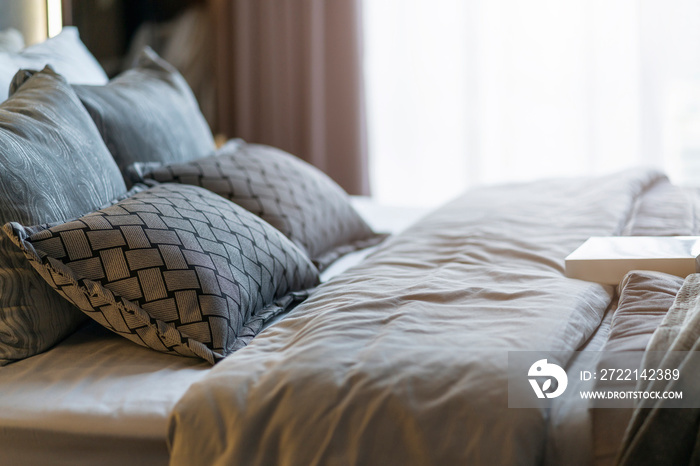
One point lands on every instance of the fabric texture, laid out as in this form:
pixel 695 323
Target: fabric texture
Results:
pixel 53 167
pixel 579 436
pixel 403 357
pixel 658 434
pixel 645 298
pixel 148 114
pixel 54 163
pixel 94 399
pixel 65 53
pixel 291 75
pixel 288 193
pixel 32 316
pixel 175 268
pixel 121 421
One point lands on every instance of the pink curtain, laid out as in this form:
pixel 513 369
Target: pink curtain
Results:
pixel 289 74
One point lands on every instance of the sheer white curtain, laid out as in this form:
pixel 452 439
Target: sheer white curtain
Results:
pixel 466 92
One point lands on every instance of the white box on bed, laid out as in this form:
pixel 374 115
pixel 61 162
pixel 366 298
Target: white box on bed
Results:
pixel 607 259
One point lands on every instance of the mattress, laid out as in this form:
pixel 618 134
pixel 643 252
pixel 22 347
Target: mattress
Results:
pixel 97 398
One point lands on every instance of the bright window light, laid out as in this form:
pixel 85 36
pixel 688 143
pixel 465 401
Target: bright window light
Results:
pixel 54 17
pixel 469 92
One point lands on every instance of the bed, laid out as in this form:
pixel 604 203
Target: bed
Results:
pixel 397 354
pixel 97 398
pixel 355 346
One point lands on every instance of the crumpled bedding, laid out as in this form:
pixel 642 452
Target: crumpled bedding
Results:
pixel 577 434
pixel 645 298
pixel 403 358
pixel 659 433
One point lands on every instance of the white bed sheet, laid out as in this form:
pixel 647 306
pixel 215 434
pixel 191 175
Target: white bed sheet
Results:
pixel 97 398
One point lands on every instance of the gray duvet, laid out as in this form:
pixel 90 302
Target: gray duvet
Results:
pixel 659 434
pixel 402 359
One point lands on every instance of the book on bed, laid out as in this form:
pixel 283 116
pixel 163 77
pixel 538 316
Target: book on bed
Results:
pixel 608 259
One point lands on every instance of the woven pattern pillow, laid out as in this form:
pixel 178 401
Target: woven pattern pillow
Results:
pixel 53 167
pixel 32 316
pixel 291 195
pixel 174 268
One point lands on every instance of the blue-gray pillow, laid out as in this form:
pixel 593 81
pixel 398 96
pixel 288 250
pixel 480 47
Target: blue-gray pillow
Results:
pixel 174 268
pixel 53 166
pixel 53 163
pixel 33 317
pixel 148 114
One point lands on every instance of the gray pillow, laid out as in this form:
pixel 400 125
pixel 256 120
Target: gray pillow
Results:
pixel 174 268
pixel 53 166
pixel 33 317
pixel 148 114
pixel 291 195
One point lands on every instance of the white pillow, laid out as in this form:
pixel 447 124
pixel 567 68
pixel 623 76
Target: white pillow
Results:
pixel 11 40
pixel 64 52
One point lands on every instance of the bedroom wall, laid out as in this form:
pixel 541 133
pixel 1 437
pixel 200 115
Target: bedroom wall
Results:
pixel 28 16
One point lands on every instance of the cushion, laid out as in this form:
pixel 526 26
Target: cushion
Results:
pixel 293 196
pixel 64 52
pixel 175 268
pixel 53 163
pixel 11 40
pixel 53 166
pixel 33 317
pixel 148 114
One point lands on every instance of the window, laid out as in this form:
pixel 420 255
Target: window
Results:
pixel 467 92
